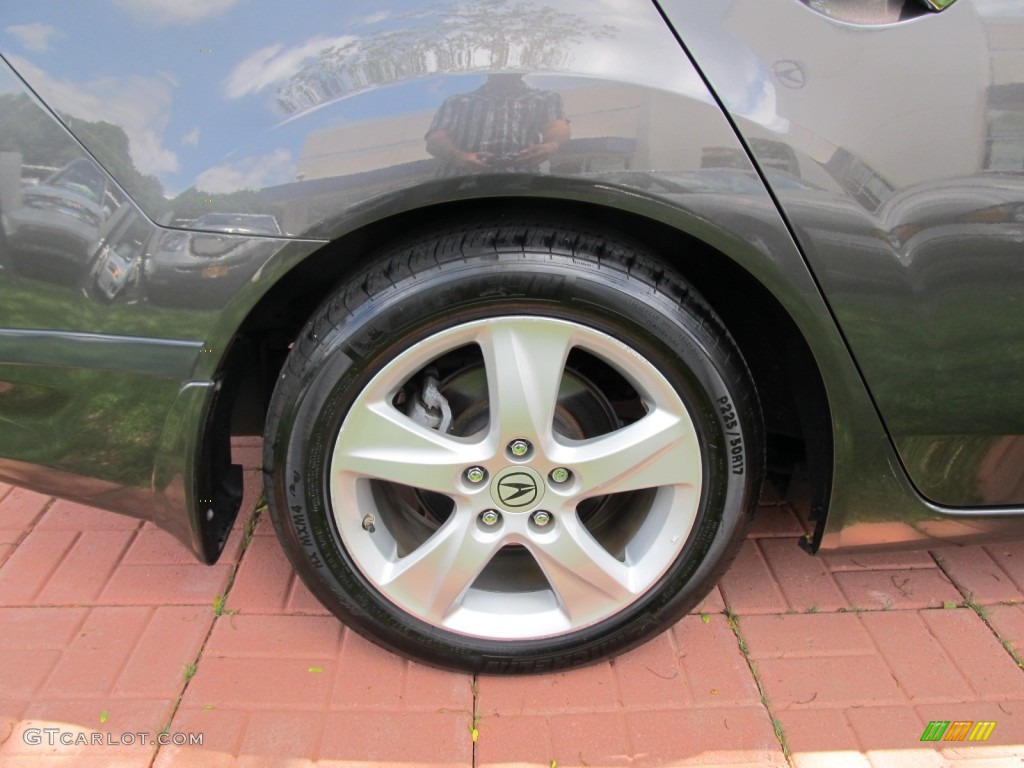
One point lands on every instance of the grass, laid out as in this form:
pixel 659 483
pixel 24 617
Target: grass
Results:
pixel 780 734
pixel 87 422
pixel 220 601
pixel 218 606
pixel 31 303
pixel 982 612
pixel 975 606
pixel 252 522
pixel 944 374
pixel 979 609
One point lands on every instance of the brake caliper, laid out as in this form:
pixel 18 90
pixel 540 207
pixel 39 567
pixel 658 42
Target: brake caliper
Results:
pixel 429 407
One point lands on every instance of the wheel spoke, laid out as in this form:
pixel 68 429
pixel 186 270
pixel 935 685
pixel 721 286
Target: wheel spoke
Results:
pixel 433 579
pixel 659 449
pixel 380 442
pixel 586 579
pixel 524 362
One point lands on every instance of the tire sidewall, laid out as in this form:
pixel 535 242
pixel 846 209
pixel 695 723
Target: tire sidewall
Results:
pixel 342 361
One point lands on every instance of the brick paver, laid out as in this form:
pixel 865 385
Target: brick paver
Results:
pixel 1008 623
pixel 988 574
pixel 109 627
pixel 21 509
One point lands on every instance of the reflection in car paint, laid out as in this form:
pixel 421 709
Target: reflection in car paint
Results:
pixel 504 125
pixel 845 218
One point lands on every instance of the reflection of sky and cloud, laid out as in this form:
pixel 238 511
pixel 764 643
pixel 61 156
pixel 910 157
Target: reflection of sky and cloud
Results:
pixel 995 8
pixel 140 105
pixel 175 11
pixel 35 37
pixel 750 91
pixel 211 104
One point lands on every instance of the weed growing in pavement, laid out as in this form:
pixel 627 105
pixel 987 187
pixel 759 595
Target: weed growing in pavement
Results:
pixel 975 606
pixel 734 625
pixel 979 609
pixel 218 606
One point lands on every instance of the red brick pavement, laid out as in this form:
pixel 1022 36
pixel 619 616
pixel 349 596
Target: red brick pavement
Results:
pixel 110 632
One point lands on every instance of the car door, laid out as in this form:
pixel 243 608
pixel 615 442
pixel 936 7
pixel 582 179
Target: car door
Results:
pixel 905 131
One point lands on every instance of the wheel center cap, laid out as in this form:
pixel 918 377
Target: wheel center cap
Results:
pixel 517 489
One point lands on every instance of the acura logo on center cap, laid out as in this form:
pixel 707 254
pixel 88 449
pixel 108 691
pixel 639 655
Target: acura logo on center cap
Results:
pixel 517 490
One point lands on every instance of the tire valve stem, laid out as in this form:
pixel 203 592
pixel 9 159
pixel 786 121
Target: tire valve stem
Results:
pixel 368 522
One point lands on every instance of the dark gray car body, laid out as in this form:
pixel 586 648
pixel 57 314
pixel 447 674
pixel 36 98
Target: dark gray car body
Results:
pixel 848 196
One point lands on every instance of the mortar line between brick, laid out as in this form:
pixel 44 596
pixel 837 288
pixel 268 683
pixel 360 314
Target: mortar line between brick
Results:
pixel 246 540
pixel 41 514
pixel 50 501
pixel 114 564
pixel 879 653
pixel 86 613
pixel 780 735
pixel 677 652
pixel 56 566
pixel 997 564
pixel 620 707
pixel 797 552
pixel 771 572
pixel 475 686
pixel 139 634
pixel 979 610
pixel 964 675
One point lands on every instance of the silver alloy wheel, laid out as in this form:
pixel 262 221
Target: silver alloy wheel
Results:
pixel 654 462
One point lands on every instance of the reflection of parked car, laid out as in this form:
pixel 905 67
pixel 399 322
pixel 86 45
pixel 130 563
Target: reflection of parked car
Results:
pixel 239 223
pixel 115 272
pixel 200 269
pixel 60 220
pixel 518 421
pixel 119 261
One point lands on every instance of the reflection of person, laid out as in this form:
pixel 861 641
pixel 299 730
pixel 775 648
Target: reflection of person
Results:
pixel 504 125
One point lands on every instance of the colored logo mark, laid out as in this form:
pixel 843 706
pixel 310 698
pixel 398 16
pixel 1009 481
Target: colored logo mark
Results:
pixel 958 730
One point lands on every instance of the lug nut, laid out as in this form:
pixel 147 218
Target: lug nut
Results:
pixel 541 518
pixel 476 475
pixel 560 475
pixel 519 447
pixel 490 517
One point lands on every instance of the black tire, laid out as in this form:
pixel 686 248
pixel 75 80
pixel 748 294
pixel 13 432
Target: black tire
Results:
pixel 642 340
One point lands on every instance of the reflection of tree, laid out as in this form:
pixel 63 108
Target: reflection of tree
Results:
pixel 110 144
pixel 26 129
pixel 193 203
pixel 487 35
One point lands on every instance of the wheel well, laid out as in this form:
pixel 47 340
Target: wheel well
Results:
pixel 793 399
